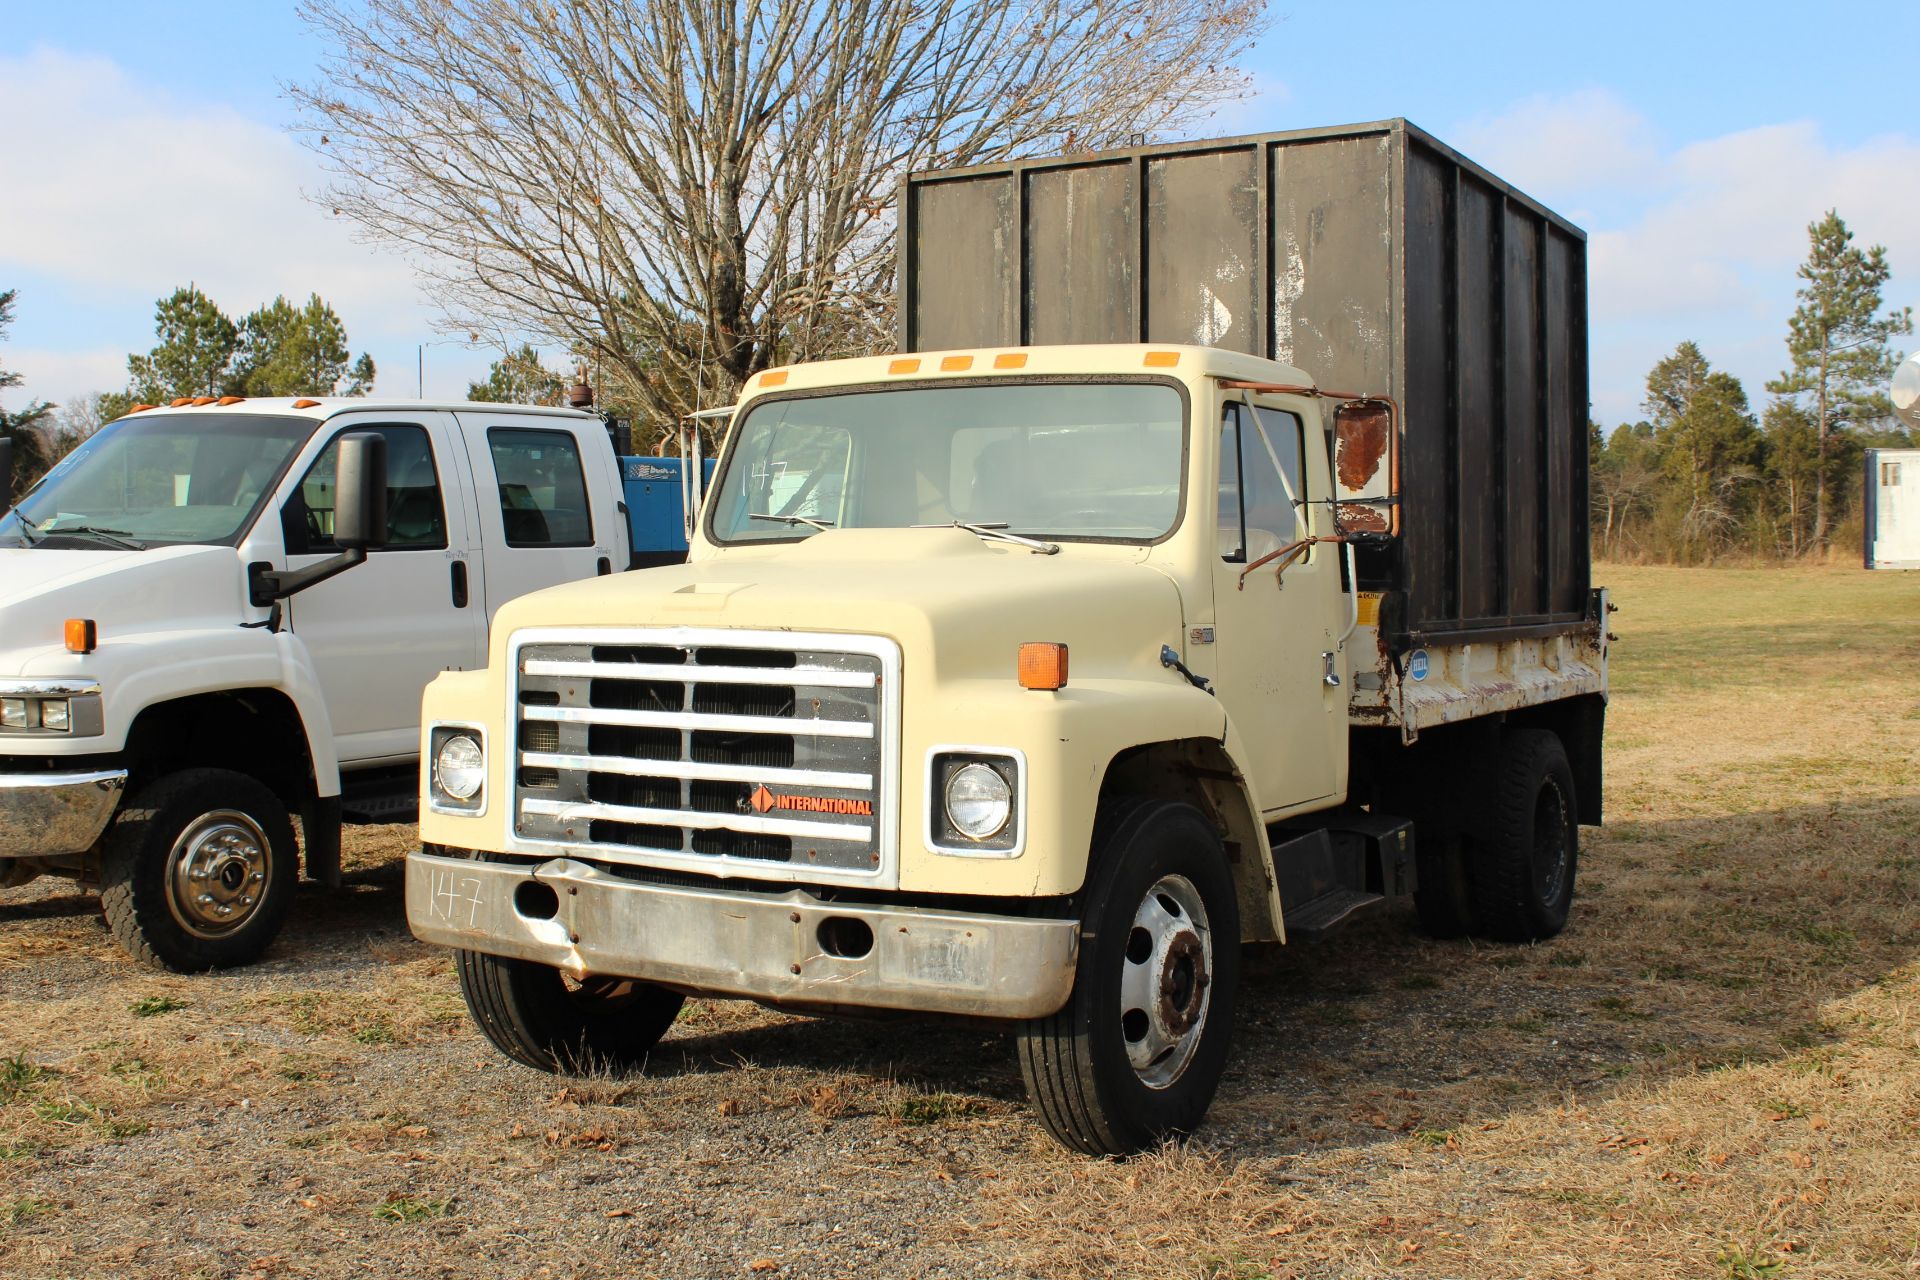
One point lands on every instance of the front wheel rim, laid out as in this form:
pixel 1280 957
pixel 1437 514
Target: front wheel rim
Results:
pixel 1166 981
pixel 218 874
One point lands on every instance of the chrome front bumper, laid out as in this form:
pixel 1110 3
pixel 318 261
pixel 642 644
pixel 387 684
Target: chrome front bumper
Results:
pixel 730 943
pixel 51 815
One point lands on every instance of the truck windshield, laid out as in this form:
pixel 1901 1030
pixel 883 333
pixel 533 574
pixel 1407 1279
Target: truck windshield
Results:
pixel 1072 461
pixel 142 482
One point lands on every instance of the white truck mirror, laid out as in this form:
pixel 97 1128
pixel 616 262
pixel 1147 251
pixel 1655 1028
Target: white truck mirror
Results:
pixel 360 493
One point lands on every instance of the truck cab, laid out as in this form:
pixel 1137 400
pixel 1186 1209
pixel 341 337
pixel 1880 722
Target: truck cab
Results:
pixel 1016 684
pixel 191 660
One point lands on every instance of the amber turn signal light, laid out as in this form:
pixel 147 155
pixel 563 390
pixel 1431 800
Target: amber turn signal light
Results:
pixel 1043 665
pixel 82 635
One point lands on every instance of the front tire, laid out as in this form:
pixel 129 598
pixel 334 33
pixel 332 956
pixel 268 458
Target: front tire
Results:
pixel 1136 1054
pixel 539 1018
pixel 1527 856
pixel 199 871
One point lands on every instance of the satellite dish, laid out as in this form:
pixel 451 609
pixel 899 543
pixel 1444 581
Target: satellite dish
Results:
pixel 1906 391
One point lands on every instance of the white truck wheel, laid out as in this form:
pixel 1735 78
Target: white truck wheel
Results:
pixel 199 870
pixel 1135 1056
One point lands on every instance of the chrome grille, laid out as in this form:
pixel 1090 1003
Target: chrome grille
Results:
pixel 759 753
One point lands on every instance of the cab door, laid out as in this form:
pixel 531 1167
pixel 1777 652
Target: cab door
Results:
pixel 1275 632
pixel 534 484
pixel 380 631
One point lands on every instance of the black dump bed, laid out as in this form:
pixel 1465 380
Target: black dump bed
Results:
pixel 1373 257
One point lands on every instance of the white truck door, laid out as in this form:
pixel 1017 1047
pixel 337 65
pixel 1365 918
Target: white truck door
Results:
pixel 379 632
pixel 1272 641
pixel 535 481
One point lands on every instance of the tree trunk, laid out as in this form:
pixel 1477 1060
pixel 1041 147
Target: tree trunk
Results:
pixel 1819 538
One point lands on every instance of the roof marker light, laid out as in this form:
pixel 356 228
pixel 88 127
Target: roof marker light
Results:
pixel 1162 359
pixel 903 366
pixel 1010 360
pixel 774 378
pixel 226 400
pixel 955 364
pixel 306 404
pixel 183 400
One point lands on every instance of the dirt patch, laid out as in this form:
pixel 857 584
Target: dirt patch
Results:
pixel 1714 1072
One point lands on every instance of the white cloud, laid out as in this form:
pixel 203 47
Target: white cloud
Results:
pixel 62 376
pixel 1568 147
pixel 1698 241
pixel 135 193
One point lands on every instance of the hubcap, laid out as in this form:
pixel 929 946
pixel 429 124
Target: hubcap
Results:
pixel 1164 980
pixel 1550 841
pixel 218 873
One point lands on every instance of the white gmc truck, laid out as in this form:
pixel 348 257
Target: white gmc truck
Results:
pixel 217 616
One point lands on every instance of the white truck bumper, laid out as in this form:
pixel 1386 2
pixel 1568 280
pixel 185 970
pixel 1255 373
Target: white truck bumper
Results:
pixel 52 815
pixel 789 948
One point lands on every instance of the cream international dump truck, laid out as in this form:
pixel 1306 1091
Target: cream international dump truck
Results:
pixel 1210 567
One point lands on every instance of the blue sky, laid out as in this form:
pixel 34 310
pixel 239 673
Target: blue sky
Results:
pixel 144 145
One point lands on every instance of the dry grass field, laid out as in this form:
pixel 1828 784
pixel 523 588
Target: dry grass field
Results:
pixel 1714 1073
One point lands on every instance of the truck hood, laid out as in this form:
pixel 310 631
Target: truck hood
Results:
pixel 126 592
pixel 965 601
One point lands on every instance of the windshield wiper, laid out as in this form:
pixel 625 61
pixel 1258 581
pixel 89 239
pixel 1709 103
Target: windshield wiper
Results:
pixel 996 531
pixel 27 527
pixel 118 537
pixel 815 521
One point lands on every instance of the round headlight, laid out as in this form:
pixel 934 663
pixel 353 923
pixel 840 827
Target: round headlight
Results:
pixel 460 767
pixel 979 801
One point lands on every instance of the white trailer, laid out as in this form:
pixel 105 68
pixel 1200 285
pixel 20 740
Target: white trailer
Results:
pixel 1893 509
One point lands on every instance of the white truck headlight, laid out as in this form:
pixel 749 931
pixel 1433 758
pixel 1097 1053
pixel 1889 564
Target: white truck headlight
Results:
pixel 976 800
pixel 979 801
pixel 459 767
pixel 55 714
pixel 13 713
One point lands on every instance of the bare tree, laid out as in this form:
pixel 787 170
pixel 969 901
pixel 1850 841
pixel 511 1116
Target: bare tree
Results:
pixel 689 191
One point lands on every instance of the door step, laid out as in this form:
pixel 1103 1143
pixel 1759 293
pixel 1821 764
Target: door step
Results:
pixel 1311 919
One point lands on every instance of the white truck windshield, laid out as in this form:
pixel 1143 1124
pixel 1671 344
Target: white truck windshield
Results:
pixel 182 478
pixel 1072 461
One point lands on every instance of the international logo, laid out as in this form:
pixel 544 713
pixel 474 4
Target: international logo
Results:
pixel 764 800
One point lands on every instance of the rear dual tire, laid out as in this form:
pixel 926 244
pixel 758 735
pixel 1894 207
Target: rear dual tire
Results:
pixel 1507 873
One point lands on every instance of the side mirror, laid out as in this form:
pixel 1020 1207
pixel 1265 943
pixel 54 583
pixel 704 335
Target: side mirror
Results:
pixel 1366 467
pixel 360 492
pixel 6 476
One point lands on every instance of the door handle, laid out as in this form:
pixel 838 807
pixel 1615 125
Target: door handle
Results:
pixel 606 566
pixel 459 584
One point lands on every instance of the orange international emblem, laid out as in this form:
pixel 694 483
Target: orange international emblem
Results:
pixel 764 800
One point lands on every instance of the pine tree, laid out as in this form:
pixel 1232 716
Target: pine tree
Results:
pixel 286 350
pixel 1707 438
pixel 197 343
pixel 32 453
pixel 1837 347
pixel 519 378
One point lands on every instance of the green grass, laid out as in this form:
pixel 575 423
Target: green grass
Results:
pixel 26 1209
pixel 932 1108
pixel 1759 626
pixel 154 1006
pixel 413 1209
pixel 17 1076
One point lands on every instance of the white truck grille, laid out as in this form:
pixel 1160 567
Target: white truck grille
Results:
pixel 766 754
